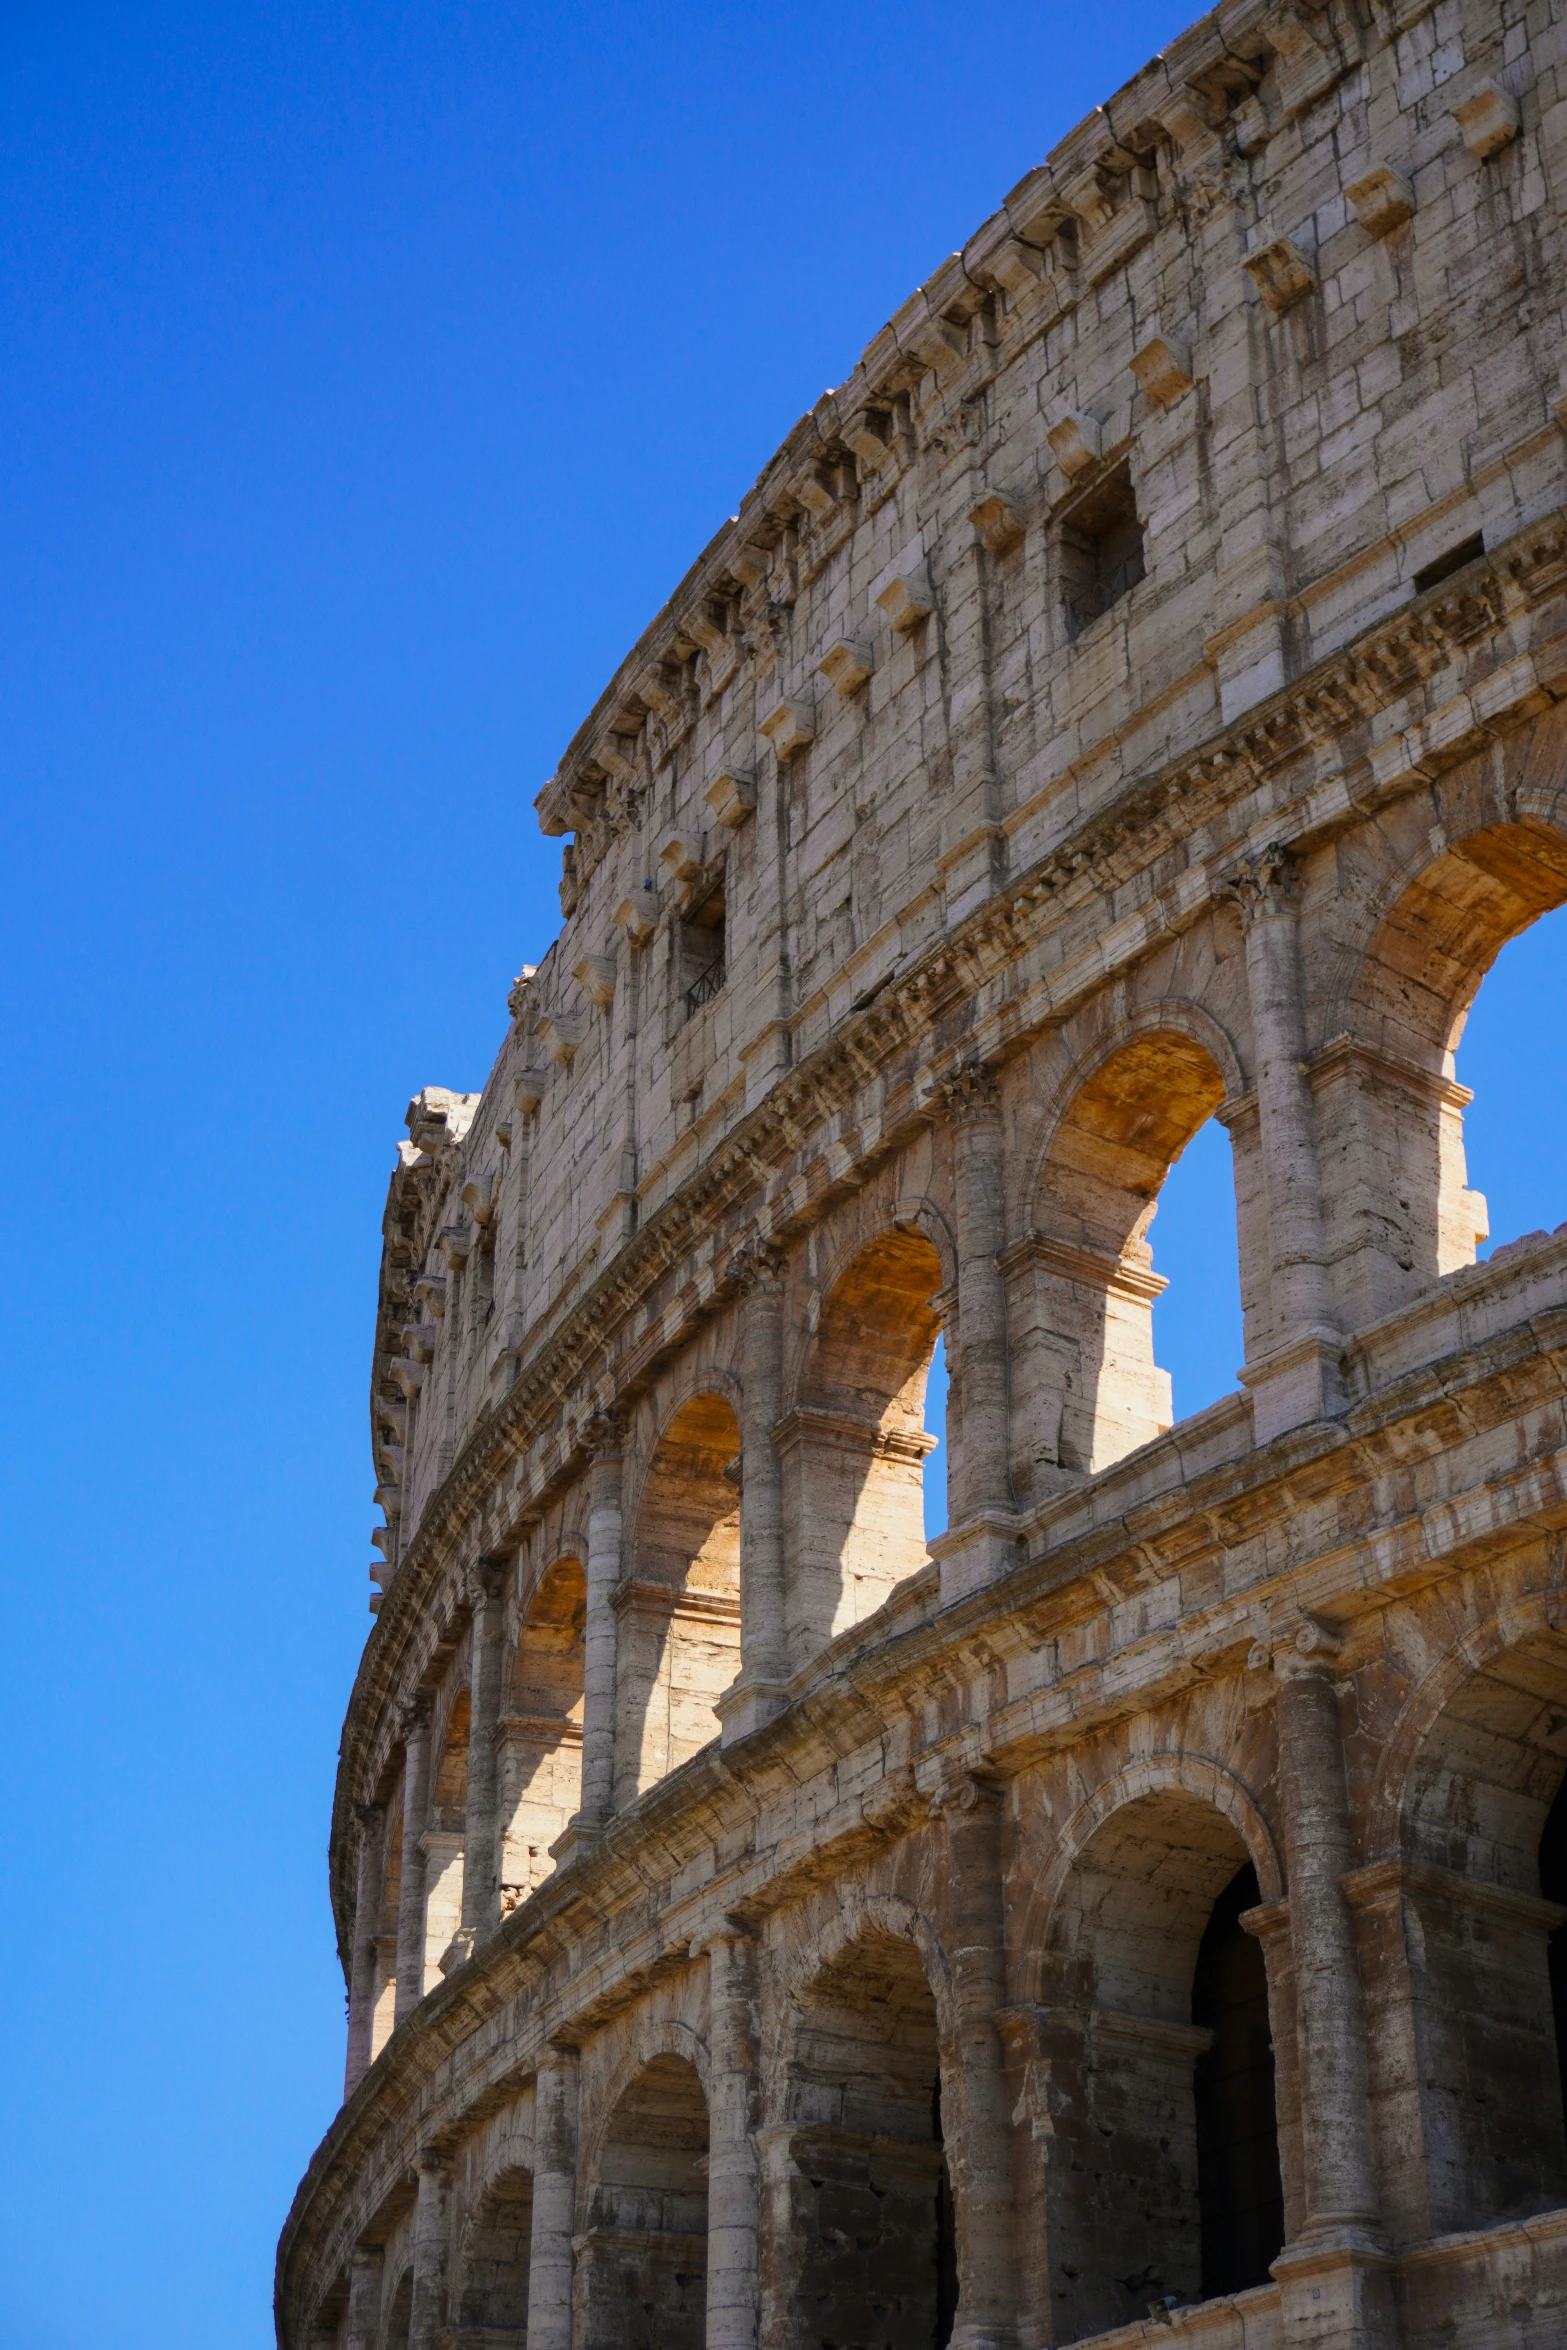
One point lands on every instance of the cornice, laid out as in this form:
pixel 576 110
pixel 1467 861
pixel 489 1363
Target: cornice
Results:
pixel 1332 704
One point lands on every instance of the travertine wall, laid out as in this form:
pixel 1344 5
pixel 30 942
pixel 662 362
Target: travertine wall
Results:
pixel 1136 696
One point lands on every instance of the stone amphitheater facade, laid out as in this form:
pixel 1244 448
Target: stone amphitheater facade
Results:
pixel 1138 695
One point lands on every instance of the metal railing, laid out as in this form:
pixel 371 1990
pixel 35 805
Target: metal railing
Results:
pixel 705 988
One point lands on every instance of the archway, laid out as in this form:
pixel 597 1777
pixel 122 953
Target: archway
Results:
pixel 1240 2195
pixel 1464 2012
pixel 854 1447
pixel 678 1647
pixel 1082 1292
pixel 1511 1051
pixel 870 2256
pixel 399 2313
pixel 491 2295
pixel 383 1991
pixel 641 2274
pixel 539 1756
pixel 442 1841
pixel 1140 1934
pixel 1389 1106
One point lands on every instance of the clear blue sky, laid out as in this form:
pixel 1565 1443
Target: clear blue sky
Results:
pixel 368 377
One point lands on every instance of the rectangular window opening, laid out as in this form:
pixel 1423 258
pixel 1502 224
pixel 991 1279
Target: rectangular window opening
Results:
pixel 1101 550
pixel 702 946
pixel 1431 575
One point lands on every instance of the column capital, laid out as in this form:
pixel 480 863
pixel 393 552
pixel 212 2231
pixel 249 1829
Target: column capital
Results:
pixel 757 1266
pixel 414 1719
pixel 962 1791
pixel 968 1093
pixel 433 2161
pixel 1308 1651
pixel 369 1815
pixel 486 1581
pixel 365 2256
pixel 604 1433
pixel 1266 882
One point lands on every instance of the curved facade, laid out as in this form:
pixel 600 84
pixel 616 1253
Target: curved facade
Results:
pixel 1135 696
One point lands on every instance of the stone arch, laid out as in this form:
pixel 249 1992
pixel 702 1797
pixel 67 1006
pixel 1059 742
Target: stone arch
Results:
pixel 678 1647
pixel 641 2273
pixel 854 1444
pixel 539 1751
pixel 490 2284
pixel 1081 1287
pixel 1152 1861
pixel 653 2038
pixel 399 2304
pixel 1389 1105
pixel 445 1830
pixel 1466 2021
pixel 858 2156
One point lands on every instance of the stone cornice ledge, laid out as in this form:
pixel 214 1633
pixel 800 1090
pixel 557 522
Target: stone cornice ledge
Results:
pixel 1337 697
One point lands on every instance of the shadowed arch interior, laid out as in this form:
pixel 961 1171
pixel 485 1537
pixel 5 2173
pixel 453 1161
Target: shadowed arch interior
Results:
pixel 491 2294
pixel 443 1841
pixel 854 1447
pixel 1481 2083
pixel 1081 1291
pixel 870 2250
pixel 539 1754
pixel 1127 2212
pixel 679 1641
pixel 641 2274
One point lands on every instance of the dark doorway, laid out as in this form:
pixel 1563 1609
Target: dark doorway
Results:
pixel 1239 2194
pixel 1553 1884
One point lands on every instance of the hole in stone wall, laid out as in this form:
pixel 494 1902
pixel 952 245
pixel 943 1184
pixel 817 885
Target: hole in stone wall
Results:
pixel 1239 2194
pixel 1515 1130
pixel 1431 575
pixel 1198 1336
pixel 1101 550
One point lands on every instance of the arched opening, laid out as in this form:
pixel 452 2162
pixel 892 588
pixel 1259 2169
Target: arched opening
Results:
pixel 383 1996
pixel 399 2313
pixel 870 2248
pixel 1390 1109
pixel 491 2296
pixel 678 1646
pixel 1199 1330
pixel 1141 1934
pixel 1466 2058
pixel 1082 1290
pixel 855 1446
pixel 1511 1049
pixel 442 1841
pixel 539 1754
pixel 641 2273
pixel 933 1477
pixel 1240 2196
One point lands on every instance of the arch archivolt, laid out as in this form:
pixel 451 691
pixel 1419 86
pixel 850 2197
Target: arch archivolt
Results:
pixel 498 2152
pixel 822 1933
pixel 570 1543
pixel 1074 1059
pixel 695 1374
pixel 1181 1770
pixel 1498 1611
pixel 836 1251
pixel 649 2038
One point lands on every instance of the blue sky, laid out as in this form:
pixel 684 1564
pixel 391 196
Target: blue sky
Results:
pixel 369 376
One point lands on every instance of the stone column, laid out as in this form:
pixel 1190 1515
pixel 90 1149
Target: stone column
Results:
pixel 410 1892
pixel 979 2149
pixel 481 1900
pixel 598 1665
pixel 1330 2025
pixel 367 1926
pixel 764 1667
pixel 364 2297
pixel 732 2192
pixel 432 2251
pixel 1298 1378
pixel 554 2200
pixel 981 1538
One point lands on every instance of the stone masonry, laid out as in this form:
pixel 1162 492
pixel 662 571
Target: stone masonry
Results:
pixel 1137 696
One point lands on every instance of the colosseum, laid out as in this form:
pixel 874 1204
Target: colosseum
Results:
pixel 1137 696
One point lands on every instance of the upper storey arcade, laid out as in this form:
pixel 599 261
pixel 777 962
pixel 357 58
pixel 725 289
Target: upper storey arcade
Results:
pixel 1264 351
